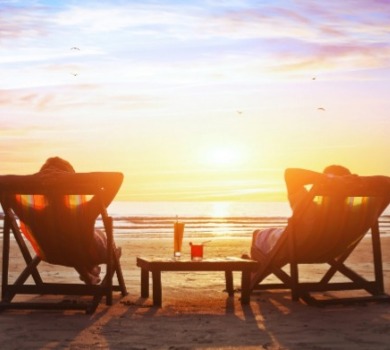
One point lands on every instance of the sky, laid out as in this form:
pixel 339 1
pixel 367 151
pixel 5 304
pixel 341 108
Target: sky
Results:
pixel 195 100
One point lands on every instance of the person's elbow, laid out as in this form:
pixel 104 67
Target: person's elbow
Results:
pixel 118 179
pixel 289 173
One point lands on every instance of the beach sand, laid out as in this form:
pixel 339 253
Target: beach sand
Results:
pixel 198 314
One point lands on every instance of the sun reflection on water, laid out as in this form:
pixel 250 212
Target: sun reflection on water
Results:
pixel 221 209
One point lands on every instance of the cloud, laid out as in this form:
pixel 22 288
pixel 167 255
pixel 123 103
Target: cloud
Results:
pixel 336 57
pixel 26 99
pixel 21 23
pixel 199 33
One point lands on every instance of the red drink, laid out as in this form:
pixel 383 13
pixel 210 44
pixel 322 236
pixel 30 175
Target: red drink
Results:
pixel 196 252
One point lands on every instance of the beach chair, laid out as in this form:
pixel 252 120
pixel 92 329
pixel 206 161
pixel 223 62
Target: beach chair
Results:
pixel 345 215
pixel 30 195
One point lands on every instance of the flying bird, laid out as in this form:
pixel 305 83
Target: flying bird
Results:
pixel 239 112
pixel 75 74
pixel 314 78
pixel 75 48
pixel 321 109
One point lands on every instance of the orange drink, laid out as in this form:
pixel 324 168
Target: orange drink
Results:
pixel 178 230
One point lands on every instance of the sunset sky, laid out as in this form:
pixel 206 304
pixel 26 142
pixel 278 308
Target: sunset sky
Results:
pixel 195 100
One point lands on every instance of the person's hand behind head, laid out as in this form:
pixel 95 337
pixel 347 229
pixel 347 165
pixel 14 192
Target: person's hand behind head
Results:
pixel 54 167
pixel 337 170
pixel 57 164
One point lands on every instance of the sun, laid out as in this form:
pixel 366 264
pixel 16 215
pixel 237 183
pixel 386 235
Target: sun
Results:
pixel 224 156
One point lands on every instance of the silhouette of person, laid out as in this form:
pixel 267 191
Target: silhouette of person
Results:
pixel 76 243
pixel 297 180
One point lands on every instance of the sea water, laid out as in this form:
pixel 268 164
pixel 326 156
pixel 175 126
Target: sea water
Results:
pixel 147 219
pixel 200 218
pixel 200 209
pixel 204 218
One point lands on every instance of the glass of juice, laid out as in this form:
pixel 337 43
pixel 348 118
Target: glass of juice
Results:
pixel 178 231
pixel 196 252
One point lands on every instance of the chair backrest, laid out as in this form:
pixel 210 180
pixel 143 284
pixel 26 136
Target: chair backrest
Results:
pixel 333 219
pixel 53 212
pixel 38 216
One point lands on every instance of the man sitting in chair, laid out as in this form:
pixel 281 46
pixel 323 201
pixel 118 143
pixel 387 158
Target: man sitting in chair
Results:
pixel 82 246
pixel 296 180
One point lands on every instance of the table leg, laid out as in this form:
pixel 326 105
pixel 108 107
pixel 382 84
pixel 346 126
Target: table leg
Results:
pixel 144 283
pixel 157 293
pixel 245 286
pixel 229 282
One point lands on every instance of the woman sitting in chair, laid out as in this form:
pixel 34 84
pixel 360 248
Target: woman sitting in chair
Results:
pixel 64 233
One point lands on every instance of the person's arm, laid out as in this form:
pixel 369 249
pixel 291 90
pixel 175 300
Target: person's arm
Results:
pixel 108 182
pixel 377 183
pixel 111 183
pixel 296 179
pixel 17 181
pixel 17 184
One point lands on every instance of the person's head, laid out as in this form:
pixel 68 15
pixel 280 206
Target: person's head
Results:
pixel 57 164
pixel 337 170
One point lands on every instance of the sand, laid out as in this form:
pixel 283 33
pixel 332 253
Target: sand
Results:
pixel 198 314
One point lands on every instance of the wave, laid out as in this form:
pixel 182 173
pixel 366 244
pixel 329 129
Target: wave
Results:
pixel 201 219
pixel 207 226
pixel 196 225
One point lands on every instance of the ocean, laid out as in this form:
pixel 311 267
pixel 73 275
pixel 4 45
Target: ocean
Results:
pixel 204 219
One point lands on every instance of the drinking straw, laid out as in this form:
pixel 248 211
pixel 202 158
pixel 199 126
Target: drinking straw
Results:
pixel 203 243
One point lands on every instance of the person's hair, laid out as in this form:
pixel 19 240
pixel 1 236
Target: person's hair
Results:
pixel 337 170
pixel 57 163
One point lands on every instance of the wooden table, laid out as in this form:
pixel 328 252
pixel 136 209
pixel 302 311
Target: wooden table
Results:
pixel 228 265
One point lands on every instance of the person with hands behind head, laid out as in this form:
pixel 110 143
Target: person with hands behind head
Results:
pixel 82 245
pixel 297 180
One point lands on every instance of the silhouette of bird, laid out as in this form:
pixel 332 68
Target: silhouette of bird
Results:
pixel 239 112
pixel 75 48
pixel 314 78
pixel 75 74
pixel 321 109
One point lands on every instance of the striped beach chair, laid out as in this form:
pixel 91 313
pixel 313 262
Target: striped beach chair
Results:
pixel 345 214
pixel 32 218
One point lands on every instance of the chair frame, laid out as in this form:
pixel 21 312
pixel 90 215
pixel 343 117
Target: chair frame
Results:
pixel 39 287
pixel 306 291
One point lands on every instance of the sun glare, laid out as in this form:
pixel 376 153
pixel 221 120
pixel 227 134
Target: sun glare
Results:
pixel 223 156
pixel 220 209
